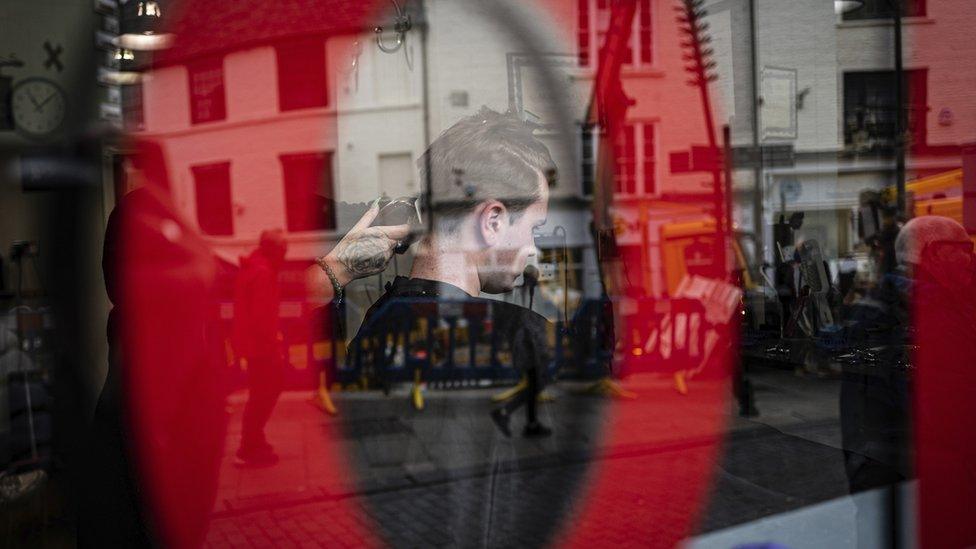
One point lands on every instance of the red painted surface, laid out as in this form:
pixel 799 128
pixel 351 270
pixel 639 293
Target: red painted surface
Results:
pixel 177 372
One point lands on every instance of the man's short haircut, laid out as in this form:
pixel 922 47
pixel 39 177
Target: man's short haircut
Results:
pixel 922 231
pixel 485 156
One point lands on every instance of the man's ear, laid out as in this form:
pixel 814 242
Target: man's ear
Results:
pixel 492 219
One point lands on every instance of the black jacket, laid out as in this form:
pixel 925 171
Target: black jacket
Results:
pixel 518 330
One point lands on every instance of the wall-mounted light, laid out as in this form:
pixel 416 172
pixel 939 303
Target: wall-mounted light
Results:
pixel 844 6
pixel 401 25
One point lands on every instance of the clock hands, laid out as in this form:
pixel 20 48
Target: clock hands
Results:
pixel 33 100
pixel 50 97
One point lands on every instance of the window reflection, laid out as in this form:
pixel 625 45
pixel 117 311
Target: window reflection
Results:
pixel 452 273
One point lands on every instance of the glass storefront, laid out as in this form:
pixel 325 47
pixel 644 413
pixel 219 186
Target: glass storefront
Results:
pixel 457 273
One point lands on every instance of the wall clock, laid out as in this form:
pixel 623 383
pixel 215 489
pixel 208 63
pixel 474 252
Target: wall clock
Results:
pixel 38 106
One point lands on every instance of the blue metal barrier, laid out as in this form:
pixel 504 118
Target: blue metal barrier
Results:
pixel 452 344
pixel 425 335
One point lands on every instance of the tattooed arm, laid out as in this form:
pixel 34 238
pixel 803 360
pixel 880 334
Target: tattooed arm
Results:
pixel 364 251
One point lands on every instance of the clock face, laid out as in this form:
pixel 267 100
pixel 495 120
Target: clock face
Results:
pixel 38 106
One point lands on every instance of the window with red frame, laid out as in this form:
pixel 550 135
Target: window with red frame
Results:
pixel 593 22
pixel 625 160
pixel 207 101
pixel 301 74
pixel 648 149
pixel 309 204
pixel 635 160
pixel 214 210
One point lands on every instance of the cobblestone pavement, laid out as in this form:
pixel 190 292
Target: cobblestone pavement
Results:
pixel 445 477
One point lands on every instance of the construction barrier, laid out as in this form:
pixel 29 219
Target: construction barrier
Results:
pixel 452 344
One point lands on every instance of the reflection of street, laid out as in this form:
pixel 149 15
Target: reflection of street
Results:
pixel 786 459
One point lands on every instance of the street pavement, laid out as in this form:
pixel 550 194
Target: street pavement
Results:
pixel 445 477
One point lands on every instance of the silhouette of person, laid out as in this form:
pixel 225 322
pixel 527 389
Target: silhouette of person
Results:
pixel 156 438
pixel 256 340
pixel 937 253
pixel 874 400
pixel 149 473
pixel 489 188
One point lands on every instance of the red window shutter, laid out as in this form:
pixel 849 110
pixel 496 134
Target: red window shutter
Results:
pixel 917 97
pixel 301 74
pixel 214 212
pixel 309 204
pixel 207 102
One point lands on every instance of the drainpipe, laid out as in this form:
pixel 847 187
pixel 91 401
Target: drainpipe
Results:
pixel 757 204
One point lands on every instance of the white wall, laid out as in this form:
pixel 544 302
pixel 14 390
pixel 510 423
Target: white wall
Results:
pixel 940 41
pixel 381 116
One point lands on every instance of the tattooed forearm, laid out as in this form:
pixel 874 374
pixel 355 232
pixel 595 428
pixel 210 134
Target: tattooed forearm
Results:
pixel 365 255
pixel 364 250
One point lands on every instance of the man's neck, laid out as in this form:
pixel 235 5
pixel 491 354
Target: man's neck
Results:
pixel 432 262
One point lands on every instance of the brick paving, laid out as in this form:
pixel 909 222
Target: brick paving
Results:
pixel 443 477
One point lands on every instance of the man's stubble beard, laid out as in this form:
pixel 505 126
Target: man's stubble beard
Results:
pixel 500 271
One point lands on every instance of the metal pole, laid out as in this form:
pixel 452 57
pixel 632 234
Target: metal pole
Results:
pixel 425 93
pixel 893 500
pixel 900 123
pixel 727 187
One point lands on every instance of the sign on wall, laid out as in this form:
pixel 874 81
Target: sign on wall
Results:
pixel 778 108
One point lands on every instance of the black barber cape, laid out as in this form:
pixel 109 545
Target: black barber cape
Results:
pixel 518 330
pixel 463 483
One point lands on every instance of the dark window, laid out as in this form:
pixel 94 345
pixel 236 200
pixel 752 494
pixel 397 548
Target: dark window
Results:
pixel 309 204
pixel 633 174
pixel 207 103
pixel 301 74
pixel 593 22
pixel 587 159
pixel 583 31
pixel 214 213
pixel 644 33
pixel 132 107
pixel 870 109
pixel 880 9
